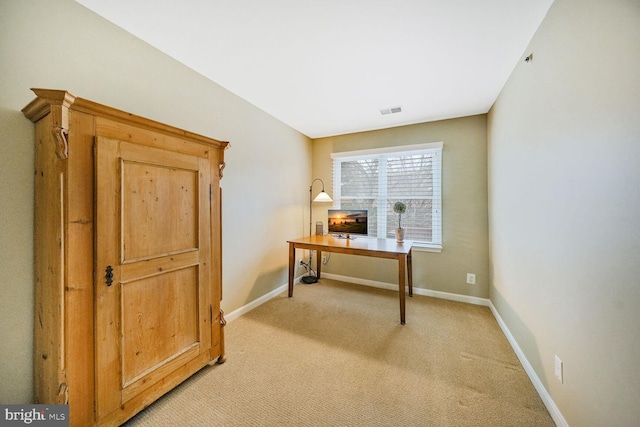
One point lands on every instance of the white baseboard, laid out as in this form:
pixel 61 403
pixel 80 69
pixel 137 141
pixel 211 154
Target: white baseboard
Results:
pixel 416 291
pixel 542 391
pixel 544 394
pixel 382 285
pixel 230 317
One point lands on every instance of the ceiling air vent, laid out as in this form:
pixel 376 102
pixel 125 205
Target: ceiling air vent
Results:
pixel 392 110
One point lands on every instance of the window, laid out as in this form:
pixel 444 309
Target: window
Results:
pixel 376 179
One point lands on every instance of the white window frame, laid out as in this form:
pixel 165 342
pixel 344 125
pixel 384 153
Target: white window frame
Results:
pixel 382 154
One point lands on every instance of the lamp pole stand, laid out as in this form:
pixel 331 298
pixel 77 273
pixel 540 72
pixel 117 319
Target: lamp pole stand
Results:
pixel 321 197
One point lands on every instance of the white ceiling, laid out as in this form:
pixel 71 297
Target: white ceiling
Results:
pixel 326 67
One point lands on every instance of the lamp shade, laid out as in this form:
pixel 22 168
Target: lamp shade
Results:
pixel 323 197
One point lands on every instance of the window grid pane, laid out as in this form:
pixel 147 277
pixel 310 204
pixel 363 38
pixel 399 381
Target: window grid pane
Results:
pixel 417 220
pixel 359 179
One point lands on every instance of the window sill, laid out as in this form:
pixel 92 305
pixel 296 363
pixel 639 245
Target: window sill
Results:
pixel 417 246
pixel 425 247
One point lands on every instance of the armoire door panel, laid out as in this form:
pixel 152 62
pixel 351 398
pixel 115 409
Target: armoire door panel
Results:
pixel 155 218
pixel 159 320
pixel 161 207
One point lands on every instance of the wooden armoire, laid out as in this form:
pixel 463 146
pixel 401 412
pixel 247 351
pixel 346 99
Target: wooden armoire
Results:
pixel 128 257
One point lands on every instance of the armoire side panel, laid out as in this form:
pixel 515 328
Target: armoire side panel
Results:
pixel 217 337
pixel 50 383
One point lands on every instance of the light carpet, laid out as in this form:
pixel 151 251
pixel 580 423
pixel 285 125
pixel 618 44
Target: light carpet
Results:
pixel 336 355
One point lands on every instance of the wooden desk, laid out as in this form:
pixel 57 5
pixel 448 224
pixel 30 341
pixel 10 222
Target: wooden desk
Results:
pixel 378 248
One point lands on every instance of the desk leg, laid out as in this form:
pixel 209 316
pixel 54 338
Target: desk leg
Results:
pixel 292 261
pixel 410 273
pixel 318 263
pixel 402 267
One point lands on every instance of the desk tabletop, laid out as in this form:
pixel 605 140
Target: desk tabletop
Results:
pixel 358 243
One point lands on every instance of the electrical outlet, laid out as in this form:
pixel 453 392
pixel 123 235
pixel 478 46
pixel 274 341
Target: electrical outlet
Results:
pixel 558 369
pixel 324 259
pixel 471 278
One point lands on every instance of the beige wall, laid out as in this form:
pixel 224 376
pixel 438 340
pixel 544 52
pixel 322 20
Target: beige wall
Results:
pixel 61 45
pixel 564 187
pixel 464 209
